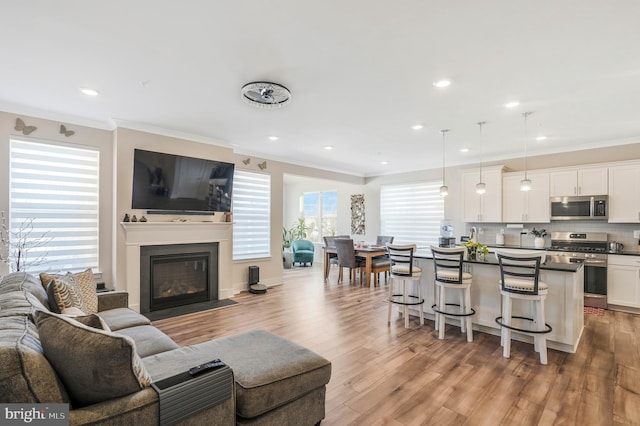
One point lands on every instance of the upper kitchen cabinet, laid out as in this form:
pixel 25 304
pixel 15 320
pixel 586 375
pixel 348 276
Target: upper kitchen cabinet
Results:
pixel 580 181
pixel 525 206
pixel 488 206
pixel 624 193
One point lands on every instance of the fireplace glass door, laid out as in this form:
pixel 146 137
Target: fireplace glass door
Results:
pixel 179 279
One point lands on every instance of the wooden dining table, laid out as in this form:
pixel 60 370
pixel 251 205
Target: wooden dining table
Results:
pixel 368 253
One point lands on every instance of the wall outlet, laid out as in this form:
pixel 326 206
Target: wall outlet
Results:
pixel 636 234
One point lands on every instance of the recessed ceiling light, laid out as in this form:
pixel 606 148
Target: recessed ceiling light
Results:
pixel 384 163
pixel 328 147
pixel 541 138
pixel 417 126
pixel 273 138
pixel 89 92
pixel 464 149
pixel 442 83
pixel 512 104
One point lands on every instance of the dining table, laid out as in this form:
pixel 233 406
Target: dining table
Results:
pixel 366 252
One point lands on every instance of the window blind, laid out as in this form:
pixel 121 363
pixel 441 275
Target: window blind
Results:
pixel 53 210
pixel 412 212
pixel 251 215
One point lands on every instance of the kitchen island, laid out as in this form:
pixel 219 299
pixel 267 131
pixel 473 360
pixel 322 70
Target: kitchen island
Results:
pixel 564 306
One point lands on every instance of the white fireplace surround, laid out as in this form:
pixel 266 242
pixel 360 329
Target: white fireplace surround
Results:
pixel 139 234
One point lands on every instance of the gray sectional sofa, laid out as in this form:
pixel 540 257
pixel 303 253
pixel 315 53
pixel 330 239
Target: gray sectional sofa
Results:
pixel 44 358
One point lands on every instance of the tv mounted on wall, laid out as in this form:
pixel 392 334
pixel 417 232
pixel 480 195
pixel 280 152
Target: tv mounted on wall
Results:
pixel 167 183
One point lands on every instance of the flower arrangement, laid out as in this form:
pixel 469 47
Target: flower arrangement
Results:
pixel 474 248
pixel 539 233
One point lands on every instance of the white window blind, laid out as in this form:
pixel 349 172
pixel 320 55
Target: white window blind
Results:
pixel 54 188
pixel 412 212
pixel 251 215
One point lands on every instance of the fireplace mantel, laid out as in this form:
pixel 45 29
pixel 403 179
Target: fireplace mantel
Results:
pixel 139 234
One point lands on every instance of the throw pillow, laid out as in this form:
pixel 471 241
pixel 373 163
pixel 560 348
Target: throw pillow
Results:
pixel 83 285
pixel 92 320
pixel 94 365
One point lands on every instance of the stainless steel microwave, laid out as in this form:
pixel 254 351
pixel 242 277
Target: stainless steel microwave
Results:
pixel 580 208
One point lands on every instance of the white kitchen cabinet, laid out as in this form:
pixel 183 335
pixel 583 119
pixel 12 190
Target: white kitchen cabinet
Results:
pixel 488 206
pixel 528 206
pixel 623 281
pixel 624 193
pixel 579 181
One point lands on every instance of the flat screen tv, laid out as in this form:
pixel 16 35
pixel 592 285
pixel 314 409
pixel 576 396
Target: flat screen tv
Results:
pixel 166 183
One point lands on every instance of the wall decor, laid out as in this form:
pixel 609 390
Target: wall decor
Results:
pixel 357 214
pixel 262 165
pixel 64 131
pixel 246 161
pixel 21 127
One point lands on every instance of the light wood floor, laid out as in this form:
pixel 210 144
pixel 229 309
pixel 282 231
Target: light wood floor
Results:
pixel 389 375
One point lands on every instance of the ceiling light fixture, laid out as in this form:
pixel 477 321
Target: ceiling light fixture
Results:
pixel 481 187
pixel 444 190
pixel 417 126
pixel 89 92
pixel 384 163
pixel 525 184
pixel 541 138
pixel 328 147
pixel 273 138
pixel 264 94
pixel 464 149
pixel 512 104
pixel 442 83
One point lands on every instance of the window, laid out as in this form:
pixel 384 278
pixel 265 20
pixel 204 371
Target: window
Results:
pixel 412 212
pixel 53 202
pixel 251 215
pixel 320 211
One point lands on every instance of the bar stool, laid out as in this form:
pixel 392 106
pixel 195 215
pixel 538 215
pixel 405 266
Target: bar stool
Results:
pixel 403 271
pixel 448 274
pixel 519 280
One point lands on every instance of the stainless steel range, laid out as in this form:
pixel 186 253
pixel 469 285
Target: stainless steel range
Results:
pixel 589 248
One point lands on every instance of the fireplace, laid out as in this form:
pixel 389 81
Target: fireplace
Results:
pixel 177 275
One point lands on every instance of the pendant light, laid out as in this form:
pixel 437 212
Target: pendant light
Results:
pixel 525 184
pixel 444 190
pixel 481 188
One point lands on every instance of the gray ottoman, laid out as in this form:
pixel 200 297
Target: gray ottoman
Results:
pixel 277 381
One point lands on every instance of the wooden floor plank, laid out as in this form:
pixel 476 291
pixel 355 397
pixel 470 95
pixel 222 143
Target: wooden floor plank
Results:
pixel 390 375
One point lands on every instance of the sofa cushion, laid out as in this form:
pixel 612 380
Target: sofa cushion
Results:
pixel 95 365
pixel 25 374
pixel 120 318
pixel 19 303
pixel 82 283
pixel 149 340
pixel 269 371
pixel 21 281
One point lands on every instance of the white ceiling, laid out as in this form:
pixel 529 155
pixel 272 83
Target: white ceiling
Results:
pixel 361 74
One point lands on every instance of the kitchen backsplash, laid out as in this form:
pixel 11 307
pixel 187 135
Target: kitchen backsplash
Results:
pixel 620 232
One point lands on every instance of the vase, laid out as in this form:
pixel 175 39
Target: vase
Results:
pixel 287 258
pixel 538 242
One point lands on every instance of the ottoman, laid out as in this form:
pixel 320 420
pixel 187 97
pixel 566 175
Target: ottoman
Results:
pixel 277 382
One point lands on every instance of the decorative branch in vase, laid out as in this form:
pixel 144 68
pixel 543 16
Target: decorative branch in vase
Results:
pixel 476 251
pixel 15 246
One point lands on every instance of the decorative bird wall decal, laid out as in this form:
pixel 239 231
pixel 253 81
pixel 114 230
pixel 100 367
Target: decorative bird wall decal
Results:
pixel 262 165
pixel 64 131
pixel 21 127
pixel 247 161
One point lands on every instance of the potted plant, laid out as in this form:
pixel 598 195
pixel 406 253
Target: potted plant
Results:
pixel 476 251
pixel 538 241
pixel 287 255
pixel 299 230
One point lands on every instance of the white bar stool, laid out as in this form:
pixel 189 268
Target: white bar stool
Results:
pixel 519 280
pixel 448 274
pixel 403 271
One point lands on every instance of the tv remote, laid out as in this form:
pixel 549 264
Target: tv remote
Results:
pixel 211 365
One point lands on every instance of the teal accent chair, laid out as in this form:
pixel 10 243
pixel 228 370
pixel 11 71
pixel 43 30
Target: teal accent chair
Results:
pixel 302 252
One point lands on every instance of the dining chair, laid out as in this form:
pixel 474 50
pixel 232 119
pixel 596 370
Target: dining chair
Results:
pixel 347 258
pixel 381 240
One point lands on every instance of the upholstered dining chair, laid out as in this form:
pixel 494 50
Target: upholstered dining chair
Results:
pixel 347 258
